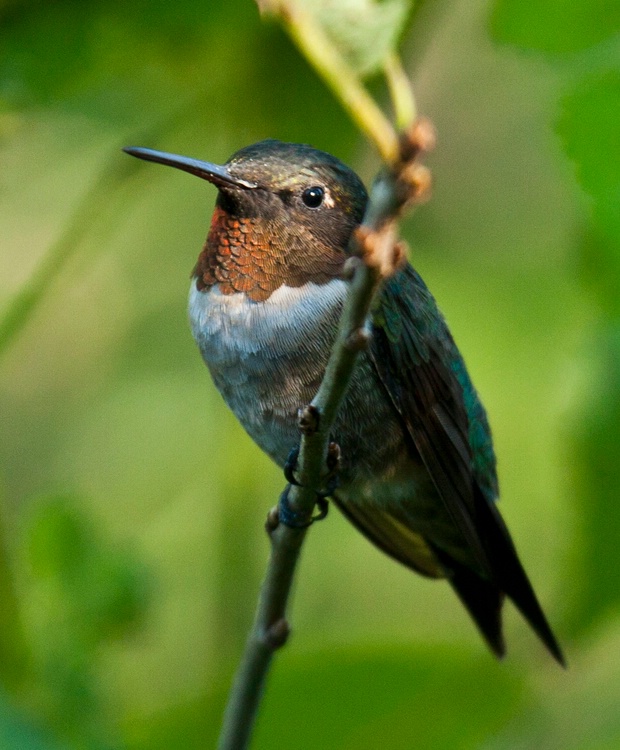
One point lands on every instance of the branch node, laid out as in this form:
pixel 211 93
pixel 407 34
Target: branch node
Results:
pixel 416 178
pixel 350 267
pixel 358 339
pixel 276 634
pixel 378 248
pixel 401 252
pixel 419 138
pixel 308 420
pixel 273 520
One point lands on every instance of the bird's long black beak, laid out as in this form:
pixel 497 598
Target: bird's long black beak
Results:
pixel 214 173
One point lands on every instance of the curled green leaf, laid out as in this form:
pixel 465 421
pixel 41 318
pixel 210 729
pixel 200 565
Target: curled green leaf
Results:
pixel 365 31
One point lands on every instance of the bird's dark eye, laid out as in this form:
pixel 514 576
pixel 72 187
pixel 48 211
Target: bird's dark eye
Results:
pixel 313 196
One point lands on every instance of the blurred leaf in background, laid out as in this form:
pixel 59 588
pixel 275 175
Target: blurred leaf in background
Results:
pixel 18 731
pixel 587 123
pixel 364 31
pixel 555 26
pixel 588 126
pixel 84 593
pixel 131 502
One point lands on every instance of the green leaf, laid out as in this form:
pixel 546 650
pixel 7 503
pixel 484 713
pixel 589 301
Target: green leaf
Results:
pixel 365 31
pixel 113 60
pixel 599 270
pixel 397 698
pixel 97 589
pixel 58 541
pixel 595 478
pixel 589 128
pixel 84 592
pixel 360 697
pixel 19 732
pixel 555 26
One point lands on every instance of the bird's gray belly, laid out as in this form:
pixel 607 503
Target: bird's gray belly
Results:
pixel 267 360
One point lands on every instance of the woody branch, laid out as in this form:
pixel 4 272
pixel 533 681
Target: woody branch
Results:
pixel 376 254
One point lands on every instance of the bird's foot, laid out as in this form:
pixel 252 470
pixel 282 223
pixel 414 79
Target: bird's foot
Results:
pixel 290 466
pixel 331 478
pixel 293 518
pixel 297 520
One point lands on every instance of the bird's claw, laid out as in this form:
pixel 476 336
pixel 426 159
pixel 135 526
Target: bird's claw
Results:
pixel 296 520
pixel 290 466
pixel 333 466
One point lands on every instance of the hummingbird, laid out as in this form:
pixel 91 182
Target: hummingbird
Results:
pixel 418 471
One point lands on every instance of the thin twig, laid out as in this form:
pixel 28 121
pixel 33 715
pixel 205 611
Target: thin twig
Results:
pixel 401 92
pixel 375 256
pixel 269 632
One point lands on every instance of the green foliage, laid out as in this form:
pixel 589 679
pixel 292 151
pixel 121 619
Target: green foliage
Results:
pixel 96 61
pixel 102 590
pixel 18 731
pixel 85 593
pixel 127 589
pixel 365 31
pixel 398 698
pixel 588 129
pixel 376 696
pixel 12 642
pixel 588 126
pixel 555 26
pixel 596 482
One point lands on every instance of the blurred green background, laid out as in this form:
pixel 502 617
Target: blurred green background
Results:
pixel 132 504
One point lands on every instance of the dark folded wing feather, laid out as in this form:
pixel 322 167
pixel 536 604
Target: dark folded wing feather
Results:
pixel 417 362
pixel 425 378
pixel 392 536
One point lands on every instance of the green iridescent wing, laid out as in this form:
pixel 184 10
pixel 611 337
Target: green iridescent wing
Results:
pixel 425 378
